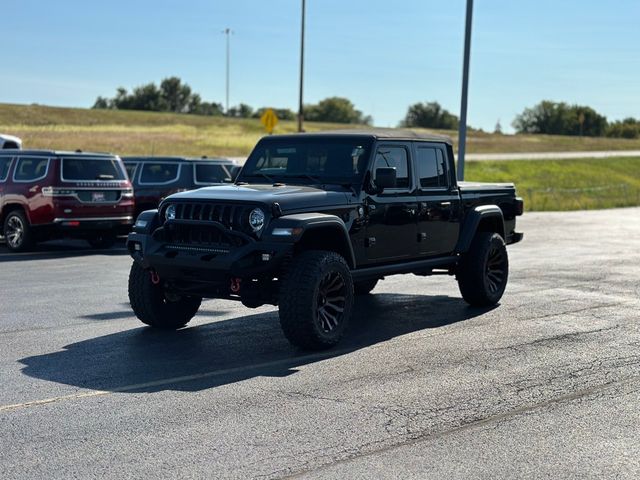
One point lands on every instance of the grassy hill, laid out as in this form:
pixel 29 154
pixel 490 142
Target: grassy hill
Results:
pixel 544 184
pixel 150 133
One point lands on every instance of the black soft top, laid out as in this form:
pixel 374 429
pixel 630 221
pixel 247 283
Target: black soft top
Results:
pixel 371 133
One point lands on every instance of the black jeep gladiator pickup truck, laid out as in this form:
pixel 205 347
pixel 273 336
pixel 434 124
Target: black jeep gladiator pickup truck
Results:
pixel 314 219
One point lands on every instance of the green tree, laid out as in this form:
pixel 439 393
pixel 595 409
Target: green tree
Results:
pixel 171 96
pixel 560 118
pixel 240 111
pixel 101 102
pixel 147 97
pixel 627 128
pixel 335 110
pixel 429 115
pixel 281 113
pixel 176 94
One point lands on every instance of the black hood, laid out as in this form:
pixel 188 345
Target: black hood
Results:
pixel 289 197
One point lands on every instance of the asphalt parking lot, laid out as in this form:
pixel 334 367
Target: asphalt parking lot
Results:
pixel 545 385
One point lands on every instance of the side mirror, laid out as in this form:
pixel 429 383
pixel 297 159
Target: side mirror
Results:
pixel 385 178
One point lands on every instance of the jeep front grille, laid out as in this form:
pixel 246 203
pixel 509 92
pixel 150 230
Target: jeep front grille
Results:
pixel 228 215
pixel 199 225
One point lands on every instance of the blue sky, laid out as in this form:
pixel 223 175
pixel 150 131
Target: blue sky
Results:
pixel 383 55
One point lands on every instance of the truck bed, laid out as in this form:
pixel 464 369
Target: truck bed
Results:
pixel 470 187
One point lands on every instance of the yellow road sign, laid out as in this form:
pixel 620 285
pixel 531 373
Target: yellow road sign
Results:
pixel 269 119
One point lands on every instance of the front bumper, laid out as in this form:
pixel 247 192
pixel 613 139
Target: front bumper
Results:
pixel 206 264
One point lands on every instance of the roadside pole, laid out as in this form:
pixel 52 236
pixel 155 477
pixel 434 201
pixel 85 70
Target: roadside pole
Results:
pixel 462 133
pixel 300 100
pixel 227 32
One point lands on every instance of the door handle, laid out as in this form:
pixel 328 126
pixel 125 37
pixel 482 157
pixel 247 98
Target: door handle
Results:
pixel 445 204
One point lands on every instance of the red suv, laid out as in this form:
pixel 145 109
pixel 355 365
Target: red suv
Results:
pixel 46 194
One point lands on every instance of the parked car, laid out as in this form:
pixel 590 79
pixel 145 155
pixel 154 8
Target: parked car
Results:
pixel 9 141
pixel 155 178
pixel 46 194
pixel 314 219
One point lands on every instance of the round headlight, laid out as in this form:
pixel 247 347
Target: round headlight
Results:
pixel 170 212
pixel 256 219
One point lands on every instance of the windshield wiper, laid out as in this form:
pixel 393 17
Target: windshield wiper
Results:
pixel 260 174
pixel 313 178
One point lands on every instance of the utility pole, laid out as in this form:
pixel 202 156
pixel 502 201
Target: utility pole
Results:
pixel 300 99
pixel 462 133
pixel 228 32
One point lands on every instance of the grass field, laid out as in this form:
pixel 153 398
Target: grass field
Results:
pixel 566 184
pixel 544 184
pixel 149 133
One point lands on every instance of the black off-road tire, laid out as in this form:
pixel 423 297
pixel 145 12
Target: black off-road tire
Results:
pixel 154 307
pixel 17 232
pixel 310 302
pixel 103 240
pixel 364 287
pixel 484 270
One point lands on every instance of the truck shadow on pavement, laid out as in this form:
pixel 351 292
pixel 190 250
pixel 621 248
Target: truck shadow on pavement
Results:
pixel 59 249
pixel 228 351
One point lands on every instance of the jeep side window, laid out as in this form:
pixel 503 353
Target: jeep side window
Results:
pixel 432 171
pixel 387 156
pixel 29 169
pixel 5 162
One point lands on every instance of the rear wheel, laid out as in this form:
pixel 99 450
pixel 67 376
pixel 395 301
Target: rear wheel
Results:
pixel 364 287
pixel 316 300
pixel 17 232
pixel 483 271
pixel 154 305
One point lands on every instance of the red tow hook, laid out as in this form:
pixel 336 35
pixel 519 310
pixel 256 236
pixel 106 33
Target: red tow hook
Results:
pixel 155 278
pixel 235 285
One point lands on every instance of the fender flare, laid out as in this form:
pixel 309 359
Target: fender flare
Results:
pixel 152 220
pixel 301 223
pixel 472 221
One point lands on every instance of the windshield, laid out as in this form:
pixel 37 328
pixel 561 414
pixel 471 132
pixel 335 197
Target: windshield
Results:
pixel 91 169
pixel 310 160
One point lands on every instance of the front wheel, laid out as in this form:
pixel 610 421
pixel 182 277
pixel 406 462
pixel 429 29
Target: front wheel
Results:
pixel 154 305
pixel 483 271
pixel 316 300
pixel 17 232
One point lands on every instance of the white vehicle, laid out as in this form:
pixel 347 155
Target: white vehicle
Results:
pixel 9 141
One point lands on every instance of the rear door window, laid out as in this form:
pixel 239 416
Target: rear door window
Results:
pixel 87 169
pixel 432 170
pixel 5 163
pixel 159 173
pixel 29 169
pixel 211 173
